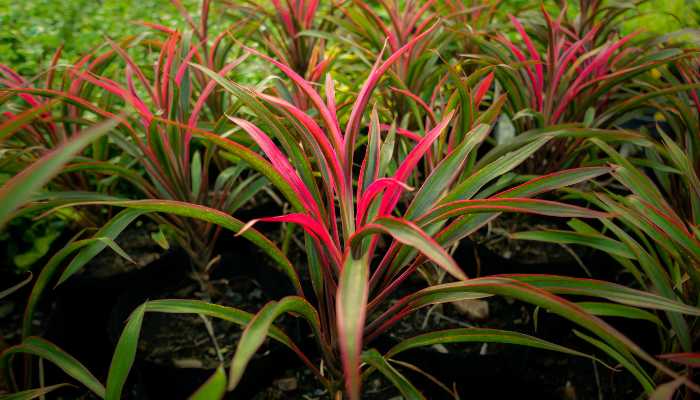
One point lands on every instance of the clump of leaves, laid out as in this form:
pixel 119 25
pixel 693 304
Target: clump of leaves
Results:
pixel 173 103
pixel 655 240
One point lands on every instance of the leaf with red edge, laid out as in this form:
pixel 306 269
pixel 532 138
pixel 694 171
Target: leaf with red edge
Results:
pixel 351 310
pixel 280 162
pixel 410 234
pixel 409 163
pixel 482 89
pixel 372 192
pixel 689 359
pixel 326 114
pixel 309 224
pixel 16 122
pixel 520 205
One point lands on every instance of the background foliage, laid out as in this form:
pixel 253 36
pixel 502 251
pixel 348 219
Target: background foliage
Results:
pixel 33 30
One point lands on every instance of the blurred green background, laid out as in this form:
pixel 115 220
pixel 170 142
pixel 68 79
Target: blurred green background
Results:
pixel 31 30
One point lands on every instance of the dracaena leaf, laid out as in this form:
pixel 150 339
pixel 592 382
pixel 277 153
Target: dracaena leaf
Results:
pixel 256 331
pixel 607 290
pixel 362 99
pixel 410 234
pixel 445 173
pixel 214 388
pixel 351 308
pixel 34 393
pixel 596 241
pixel 521 205
pixel 376 360
pixel 479 335
pixel 124 355
pixel 41 348
pixel 470 186
pixel 110 231
pixel 280 162
pixel 309 224
pixel 555 180
pixel 618 310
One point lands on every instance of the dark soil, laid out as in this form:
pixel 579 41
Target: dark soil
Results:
pixel 301 383
pixel 183 340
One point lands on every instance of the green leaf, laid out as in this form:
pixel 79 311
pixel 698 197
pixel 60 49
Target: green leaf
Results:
pixel 555 180
pixel 106 234
pixel 257 330
pixel 607 290
pixel 618 310
pixel 41 348
pixel 124 355
pixel 33 393
pixel 10 290
pixel 410 234
pixel 445 173
pixel 215 217
pixel 409 392
pixel 214 388
pixel 470 186
pixel 596 241
pixel 479 335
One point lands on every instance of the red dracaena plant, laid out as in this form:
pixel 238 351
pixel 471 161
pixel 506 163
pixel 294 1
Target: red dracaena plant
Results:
pixel 213 49
pixel 38 115
pixel 287 38
pixel 417 73
pixel 344 211
pixel 172 103
pixel 573 77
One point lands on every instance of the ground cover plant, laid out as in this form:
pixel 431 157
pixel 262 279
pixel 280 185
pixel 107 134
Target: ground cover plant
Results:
pixel 318 176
